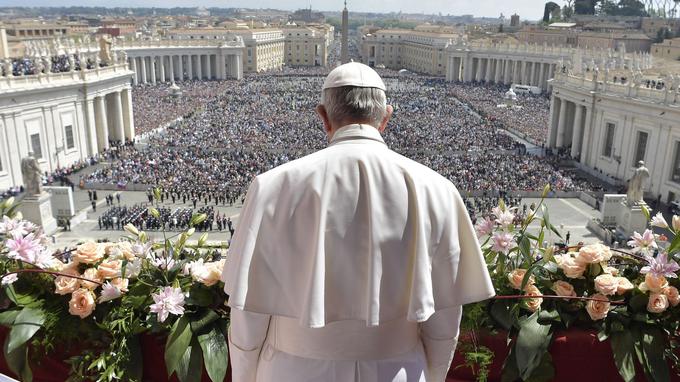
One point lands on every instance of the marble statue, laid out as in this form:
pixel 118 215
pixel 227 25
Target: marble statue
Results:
pixel 105 49
pixel 32 175
pixel 636 184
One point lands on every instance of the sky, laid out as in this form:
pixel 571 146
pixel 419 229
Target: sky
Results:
pixel 527 9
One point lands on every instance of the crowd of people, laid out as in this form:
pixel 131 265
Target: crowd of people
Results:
pixel 530 120
pixel 168 219
pixel 222 134
pixel 24 66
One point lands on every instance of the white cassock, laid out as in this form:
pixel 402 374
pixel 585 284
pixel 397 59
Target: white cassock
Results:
pixel 351 264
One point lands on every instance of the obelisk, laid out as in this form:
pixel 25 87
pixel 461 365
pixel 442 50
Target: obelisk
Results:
pixel 344 49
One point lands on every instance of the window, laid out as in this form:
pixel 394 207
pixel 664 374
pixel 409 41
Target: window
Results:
pixel 608 140
pixel 35 146
pixel 640 147
pixel 675 175
pixel 68 129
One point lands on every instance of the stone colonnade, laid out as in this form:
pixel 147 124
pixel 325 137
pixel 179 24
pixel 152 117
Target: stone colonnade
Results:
pixel 502 70
pixel 109 118
pixel 572 126
pixel 156 66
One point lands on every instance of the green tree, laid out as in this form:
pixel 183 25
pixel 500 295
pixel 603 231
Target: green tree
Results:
pixel 550 7
pixel 631 8
pixel 585 7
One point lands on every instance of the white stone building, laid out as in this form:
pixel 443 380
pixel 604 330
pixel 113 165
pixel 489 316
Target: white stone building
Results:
pixel 175 60
pixel 62 117
pixel 611 126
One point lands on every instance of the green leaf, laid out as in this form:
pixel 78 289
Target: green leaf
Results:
pixel 200 295
pixel 510 372
pixel 675 245
pixel 500 311
pixel 653 345
pixel 547 316
pixel 135 369
pixel 207 317
pixel 7 317
pixel 18 298
pixel 638 303
pixel 28 321
pixel 623 345
pixel 215 354
pixel 189 368
pixel 545 371
pixel 532 343
pixel 178 342
pixel 525 250
pixel 17 361
pixel 645 211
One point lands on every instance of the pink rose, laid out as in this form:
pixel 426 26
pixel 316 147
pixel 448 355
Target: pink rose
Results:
pixel 82 303
pixel 593 254
pixel 658 303
pixel 64 284
pixel 653 283
pixel 88 253
pixel 597 310
pixel 90 274
pixel 563 288
pixel 109 269
pixel 515 278
pixel 673 296
pixel 611 270
pixel 607 284
pixel 570 267
pixel 126 250
pixel 624 286
pixel 121 284
pixel 533 304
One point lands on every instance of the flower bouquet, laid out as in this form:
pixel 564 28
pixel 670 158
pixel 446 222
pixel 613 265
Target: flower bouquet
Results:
pixel 629 297
pixel 98 298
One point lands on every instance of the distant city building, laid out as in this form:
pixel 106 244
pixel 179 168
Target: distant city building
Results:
pixel 306 45
pixel 124 26
pixel 569 35
pixel 668 49
pixel 514 20
pixel 418 51
pixel 652 25
pixel 307 16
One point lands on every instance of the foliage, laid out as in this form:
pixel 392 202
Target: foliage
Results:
pixel 629 297
pixel 95 301
pixel 549 8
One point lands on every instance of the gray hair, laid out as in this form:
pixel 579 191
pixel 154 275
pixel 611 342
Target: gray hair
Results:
pixel 350 102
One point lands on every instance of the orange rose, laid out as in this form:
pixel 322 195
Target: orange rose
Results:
pixel 593 254
pixel 515 278
pixel 624 286
pixel 88 253
pixel 121 284
pixel 533 304
pixel 563 288
pixel 109 269
pixel 653 283
pixel 64 284
pixel 82 303
pixel 673 296
pixel 90 274
pixel 658 303
pixel 597 310
pixel 607 284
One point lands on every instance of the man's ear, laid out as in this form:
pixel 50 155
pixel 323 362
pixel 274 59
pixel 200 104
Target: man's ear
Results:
pixel 388 114
pixel 321 110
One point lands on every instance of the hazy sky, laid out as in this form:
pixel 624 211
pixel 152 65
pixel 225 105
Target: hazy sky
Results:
pixel 527 9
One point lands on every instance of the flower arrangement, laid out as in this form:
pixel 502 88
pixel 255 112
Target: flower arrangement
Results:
pixel 99 297
pixel 627 296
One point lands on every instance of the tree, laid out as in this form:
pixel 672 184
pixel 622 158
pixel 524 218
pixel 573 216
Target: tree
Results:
pixel 550 7
pixel 631 8
pixel 585 7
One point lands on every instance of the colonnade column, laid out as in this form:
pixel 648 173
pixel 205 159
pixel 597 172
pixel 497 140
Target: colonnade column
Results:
pixel 533 74
pixel 102 125
pixel 199 67
pixel 91 127
pixel 172 69
pixel 541 76
pixel 190 66
pixel 133 67
pixel 515 72
pixel 208 66
pixel 162 70
pixel 560 123
pixel 118 130
pixel 143 61
pixel 154 66
pixel 180 64
pixel 128 118
pixel 576 134
pixel 585 152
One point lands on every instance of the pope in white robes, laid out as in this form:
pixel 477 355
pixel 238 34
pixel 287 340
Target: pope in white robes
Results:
pixel 352 263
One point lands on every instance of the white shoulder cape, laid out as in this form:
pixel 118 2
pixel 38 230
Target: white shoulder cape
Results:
pixel 354 232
